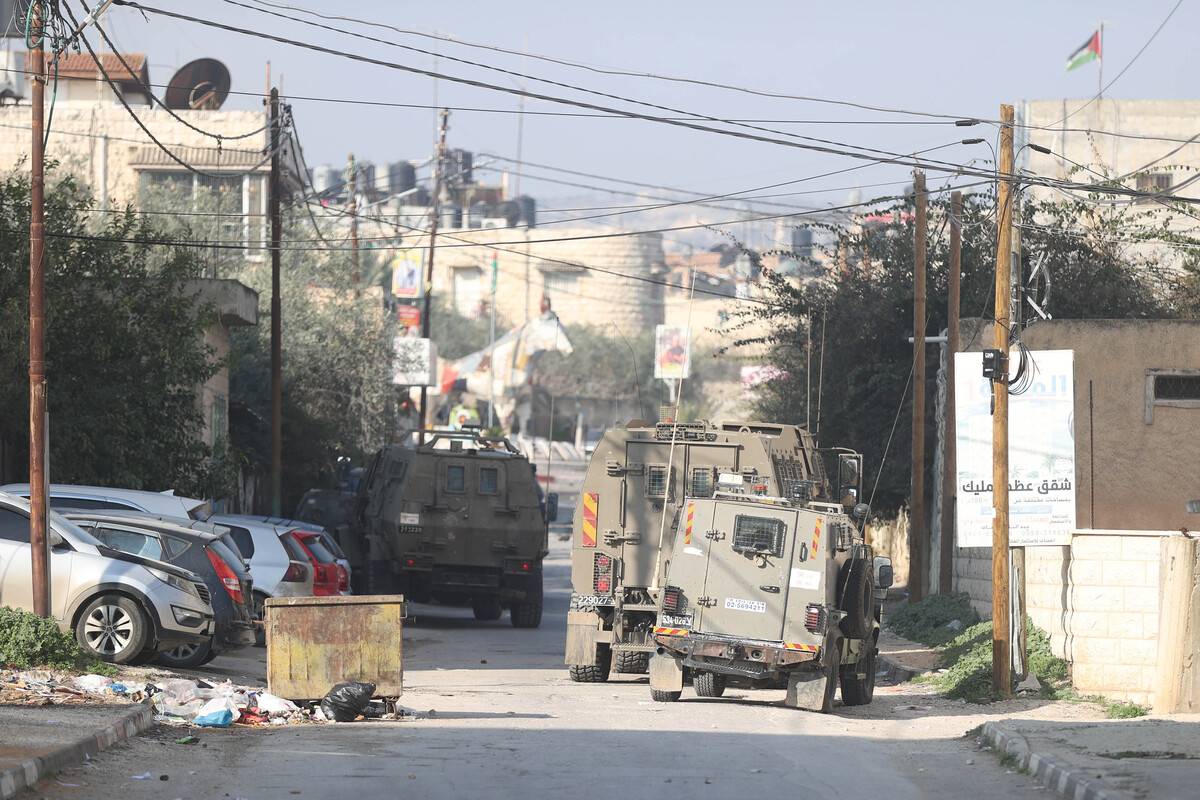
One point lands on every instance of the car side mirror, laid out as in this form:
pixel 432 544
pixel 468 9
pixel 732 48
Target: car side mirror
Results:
pixel 551 507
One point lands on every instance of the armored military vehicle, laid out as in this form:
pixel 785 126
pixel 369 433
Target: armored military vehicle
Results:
pixel 636 481
pixel 457 518
pixel 769 592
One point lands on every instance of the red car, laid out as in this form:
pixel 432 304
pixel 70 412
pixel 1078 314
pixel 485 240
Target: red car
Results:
pixel 327 573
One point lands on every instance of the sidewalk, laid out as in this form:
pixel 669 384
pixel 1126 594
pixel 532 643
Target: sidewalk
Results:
pixel 36 742
pixel 1147 757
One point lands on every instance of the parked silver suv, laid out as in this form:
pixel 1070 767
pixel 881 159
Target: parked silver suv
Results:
pixel 122 608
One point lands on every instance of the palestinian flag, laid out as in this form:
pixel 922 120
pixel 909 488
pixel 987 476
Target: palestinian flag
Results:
pixel 1090 51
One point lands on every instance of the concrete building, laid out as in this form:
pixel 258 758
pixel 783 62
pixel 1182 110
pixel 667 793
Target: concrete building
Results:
pixel 1148 141
pixel 1137 463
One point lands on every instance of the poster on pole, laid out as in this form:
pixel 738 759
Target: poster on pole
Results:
pixel 672 352
pixel 1041 451
pixel 407 268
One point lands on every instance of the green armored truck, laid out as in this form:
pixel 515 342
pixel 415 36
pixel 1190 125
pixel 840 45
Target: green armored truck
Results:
pixel 638 479
pixel 457 518
pixel 768 592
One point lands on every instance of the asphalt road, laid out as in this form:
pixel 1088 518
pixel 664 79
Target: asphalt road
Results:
pixel 501 720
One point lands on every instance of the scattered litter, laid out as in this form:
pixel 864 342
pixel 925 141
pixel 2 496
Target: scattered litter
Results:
pixel 219 712
pixel 145 776
pixel 186 740
pixel 954 625
pixel 345 702
pixel 913 708
pixel 96 684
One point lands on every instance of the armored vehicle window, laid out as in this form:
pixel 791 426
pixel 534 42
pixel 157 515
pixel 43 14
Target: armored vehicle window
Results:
pixel 456 479
pixel 758 535
pixel 489 480
pixel 656 480
pixel 397 471
pixel 701 485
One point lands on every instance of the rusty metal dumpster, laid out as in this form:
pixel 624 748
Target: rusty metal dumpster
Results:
pixel 316 642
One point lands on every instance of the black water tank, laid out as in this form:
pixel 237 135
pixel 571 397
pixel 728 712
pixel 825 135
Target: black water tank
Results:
pixel 402 176
pixel 528 210
pixel 459 168
pixel 510 210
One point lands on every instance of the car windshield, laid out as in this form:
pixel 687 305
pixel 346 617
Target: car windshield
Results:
pixel 66 526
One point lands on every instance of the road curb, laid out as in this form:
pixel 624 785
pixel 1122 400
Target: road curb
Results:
pixel 894 671
pixel 1066 779
pixel 26 774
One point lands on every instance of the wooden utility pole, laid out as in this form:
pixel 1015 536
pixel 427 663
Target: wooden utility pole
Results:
pixel 1001 628
pixel 436 211
pixel 918 538
pixel 38 540
pixel 1017 554
pixel 276 321
pixel 950 454
pixel 352 188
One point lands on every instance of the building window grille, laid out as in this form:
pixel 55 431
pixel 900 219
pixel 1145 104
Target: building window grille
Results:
pixel 1154 183
pixel 1171 388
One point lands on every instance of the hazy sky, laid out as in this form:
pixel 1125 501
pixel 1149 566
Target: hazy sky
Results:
pixel 961 58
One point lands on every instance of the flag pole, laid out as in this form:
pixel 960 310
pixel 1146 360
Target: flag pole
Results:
pixel 1100 58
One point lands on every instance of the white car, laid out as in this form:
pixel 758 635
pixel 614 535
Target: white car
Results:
pixel 122 608
pixel 94 498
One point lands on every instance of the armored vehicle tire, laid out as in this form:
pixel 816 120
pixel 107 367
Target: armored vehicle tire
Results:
pixel 664 697
pixel 379 578
pixel 486 607
pixel 596 672
pixel 709 684
pixel 630 662
pixel 857 599
pixel 528 612
pixel 856 690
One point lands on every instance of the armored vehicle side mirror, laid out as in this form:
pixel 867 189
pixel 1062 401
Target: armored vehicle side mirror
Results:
pixel 861 511
pixel 883 572
pixel 551 507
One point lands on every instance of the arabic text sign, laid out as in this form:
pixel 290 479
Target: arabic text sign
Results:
pixel 1041 452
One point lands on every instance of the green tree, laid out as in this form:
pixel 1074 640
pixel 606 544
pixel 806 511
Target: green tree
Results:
pixel 124 342
pixel 860 310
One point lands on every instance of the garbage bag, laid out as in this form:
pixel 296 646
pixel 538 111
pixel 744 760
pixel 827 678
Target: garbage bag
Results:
pixel 345 701
pixel 94 684
pixel 218 712
pixel 271 704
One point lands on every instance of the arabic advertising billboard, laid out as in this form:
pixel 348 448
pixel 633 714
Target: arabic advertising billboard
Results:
pixel 1041 452
pixel 672 352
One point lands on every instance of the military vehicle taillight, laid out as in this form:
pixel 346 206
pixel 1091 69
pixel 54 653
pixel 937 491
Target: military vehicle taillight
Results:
pixel 814 618
pixel 672 599
pixel 602 569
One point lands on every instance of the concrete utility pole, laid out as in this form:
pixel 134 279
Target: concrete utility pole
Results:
pixel 38 539
pixel 918 534
pixel 352 188
pixel 436 211
pixel 950 457
pixel 276 322
pixel 1001 632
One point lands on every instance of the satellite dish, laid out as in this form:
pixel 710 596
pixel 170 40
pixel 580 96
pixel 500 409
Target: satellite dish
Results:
pixel 203 83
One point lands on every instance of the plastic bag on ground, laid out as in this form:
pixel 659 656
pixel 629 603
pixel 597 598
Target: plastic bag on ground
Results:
pixel 346 701
pixel 273 705
pixel 95 684
pixel 219 712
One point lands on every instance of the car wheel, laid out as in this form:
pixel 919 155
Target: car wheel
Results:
pixel 113 628
pixel 187 655
pixel 709 684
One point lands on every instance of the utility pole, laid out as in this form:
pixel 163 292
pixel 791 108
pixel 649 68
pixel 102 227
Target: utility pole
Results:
pixel 917 532
pixel 1017 554
pixel 352 188
pixel 276 322
pixel 1001 629
pixel 38 539
pixel 950 456
pixel 436 212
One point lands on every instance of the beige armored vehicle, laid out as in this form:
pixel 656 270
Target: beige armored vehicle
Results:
pixel 769 592
pixel 458 519
pixel 624 525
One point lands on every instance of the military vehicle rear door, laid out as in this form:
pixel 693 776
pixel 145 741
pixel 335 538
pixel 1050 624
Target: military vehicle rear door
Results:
pixel 689 565
pixel 750 551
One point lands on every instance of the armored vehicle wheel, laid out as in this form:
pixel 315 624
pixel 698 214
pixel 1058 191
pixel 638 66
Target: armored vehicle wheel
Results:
pixel 857 599
pixel 664 697
pixel 629 662
pixel 596 672
pixel 858 680
pixel 528 612
pixel 709 684
pixel 379 578
pixel 486 607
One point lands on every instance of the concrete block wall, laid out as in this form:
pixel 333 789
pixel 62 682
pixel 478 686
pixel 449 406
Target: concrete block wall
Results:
pixel 1099 601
